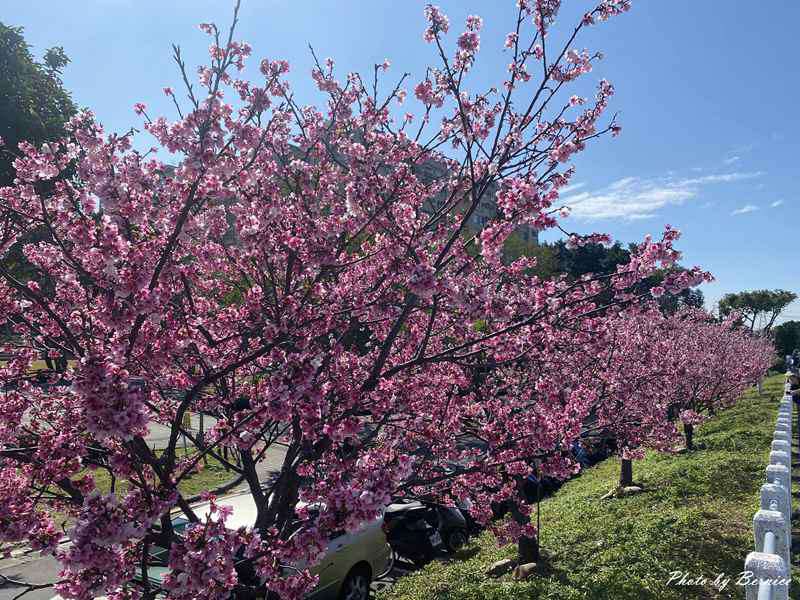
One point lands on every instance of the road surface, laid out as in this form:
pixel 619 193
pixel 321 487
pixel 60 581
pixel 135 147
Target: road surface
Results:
pixel 35 569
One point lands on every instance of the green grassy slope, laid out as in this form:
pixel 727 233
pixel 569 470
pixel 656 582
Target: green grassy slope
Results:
pixel 210 476
pixel 695 516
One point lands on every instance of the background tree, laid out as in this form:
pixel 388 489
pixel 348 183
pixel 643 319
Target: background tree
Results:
pixel 787 340
pixel 34 107
pixel 601 259
pixel 633 383
pixel 757 308
pixel 787 337
pixel 716 361
pixel 589 258
pixel 546 260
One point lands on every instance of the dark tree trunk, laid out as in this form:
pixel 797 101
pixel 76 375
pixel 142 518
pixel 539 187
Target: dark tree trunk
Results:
pixel 527 546
pixel 688 432
pixel 527 550
pixel 626 473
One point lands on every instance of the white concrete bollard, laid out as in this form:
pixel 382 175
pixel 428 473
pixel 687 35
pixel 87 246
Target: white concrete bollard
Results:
pixel 785 427
pixel 774 493
pixel 783 436
pixel 781 475
pixel 780 457
pixel 782 445
pixel 759 566
pixel 772 520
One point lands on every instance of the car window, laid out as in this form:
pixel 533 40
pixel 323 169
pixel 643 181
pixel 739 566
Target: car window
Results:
pixel 159 555
pixel 179 524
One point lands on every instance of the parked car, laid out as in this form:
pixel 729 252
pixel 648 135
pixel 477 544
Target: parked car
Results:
pixel 346 570
pixel 418 529
pixel 410 533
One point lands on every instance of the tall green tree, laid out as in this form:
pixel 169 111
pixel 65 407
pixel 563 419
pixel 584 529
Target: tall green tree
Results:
pixel 590 258
pixel 34 107
pixel 546 259
pixel 787 337
pixel 33 102
pixel 758 308
pixel 603 260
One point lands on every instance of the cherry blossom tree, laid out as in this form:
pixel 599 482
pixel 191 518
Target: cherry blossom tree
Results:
pixel 634 386
pixel 717 362
pixel 661 370
pixel 299 277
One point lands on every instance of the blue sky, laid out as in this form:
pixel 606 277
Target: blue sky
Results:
pixel 707 93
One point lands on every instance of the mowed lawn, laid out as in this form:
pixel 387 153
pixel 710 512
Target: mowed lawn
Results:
pixel 209 476
pixel 694 517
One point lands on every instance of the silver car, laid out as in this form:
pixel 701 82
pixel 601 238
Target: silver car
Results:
pixel 346 570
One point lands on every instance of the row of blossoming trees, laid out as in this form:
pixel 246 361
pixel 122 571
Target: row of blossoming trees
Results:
pixel 299 278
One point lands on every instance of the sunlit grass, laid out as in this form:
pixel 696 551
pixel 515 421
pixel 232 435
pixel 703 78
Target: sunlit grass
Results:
pixel 695 516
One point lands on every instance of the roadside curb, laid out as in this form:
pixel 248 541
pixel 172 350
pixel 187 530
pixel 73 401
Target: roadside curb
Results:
pixel 26 550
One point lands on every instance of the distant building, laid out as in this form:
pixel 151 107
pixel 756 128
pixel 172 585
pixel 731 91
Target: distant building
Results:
pixel 430 171
pixel 487 206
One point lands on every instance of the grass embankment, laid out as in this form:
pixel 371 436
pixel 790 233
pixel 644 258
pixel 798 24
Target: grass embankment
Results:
pixel 695 517
pixel 210 477
pixel 37 365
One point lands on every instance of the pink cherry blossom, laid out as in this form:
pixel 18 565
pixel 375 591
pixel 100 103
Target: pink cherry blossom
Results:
pixel 311 278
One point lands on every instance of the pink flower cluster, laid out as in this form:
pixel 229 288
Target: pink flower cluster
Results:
pixel 310 276
pixel 113 406
pixel 439 23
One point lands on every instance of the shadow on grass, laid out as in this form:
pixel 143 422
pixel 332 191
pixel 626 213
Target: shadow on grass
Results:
pixel 695 517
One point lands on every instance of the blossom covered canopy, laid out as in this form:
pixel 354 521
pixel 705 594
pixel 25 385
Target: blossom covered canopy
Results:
pixel 300 279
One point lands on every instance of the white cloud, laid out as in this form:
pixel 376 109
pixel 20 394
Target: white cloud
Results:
pixel 731 160
pixel 720 178
pixel 572 187
pixel 635 198
pixel 748 208
pixel 776 204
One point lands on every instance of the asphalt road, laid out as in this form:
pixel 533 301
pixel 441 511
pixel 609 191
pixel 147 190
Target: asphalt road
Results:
pixel 159 434
pixel 29 569
pixel 36 569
